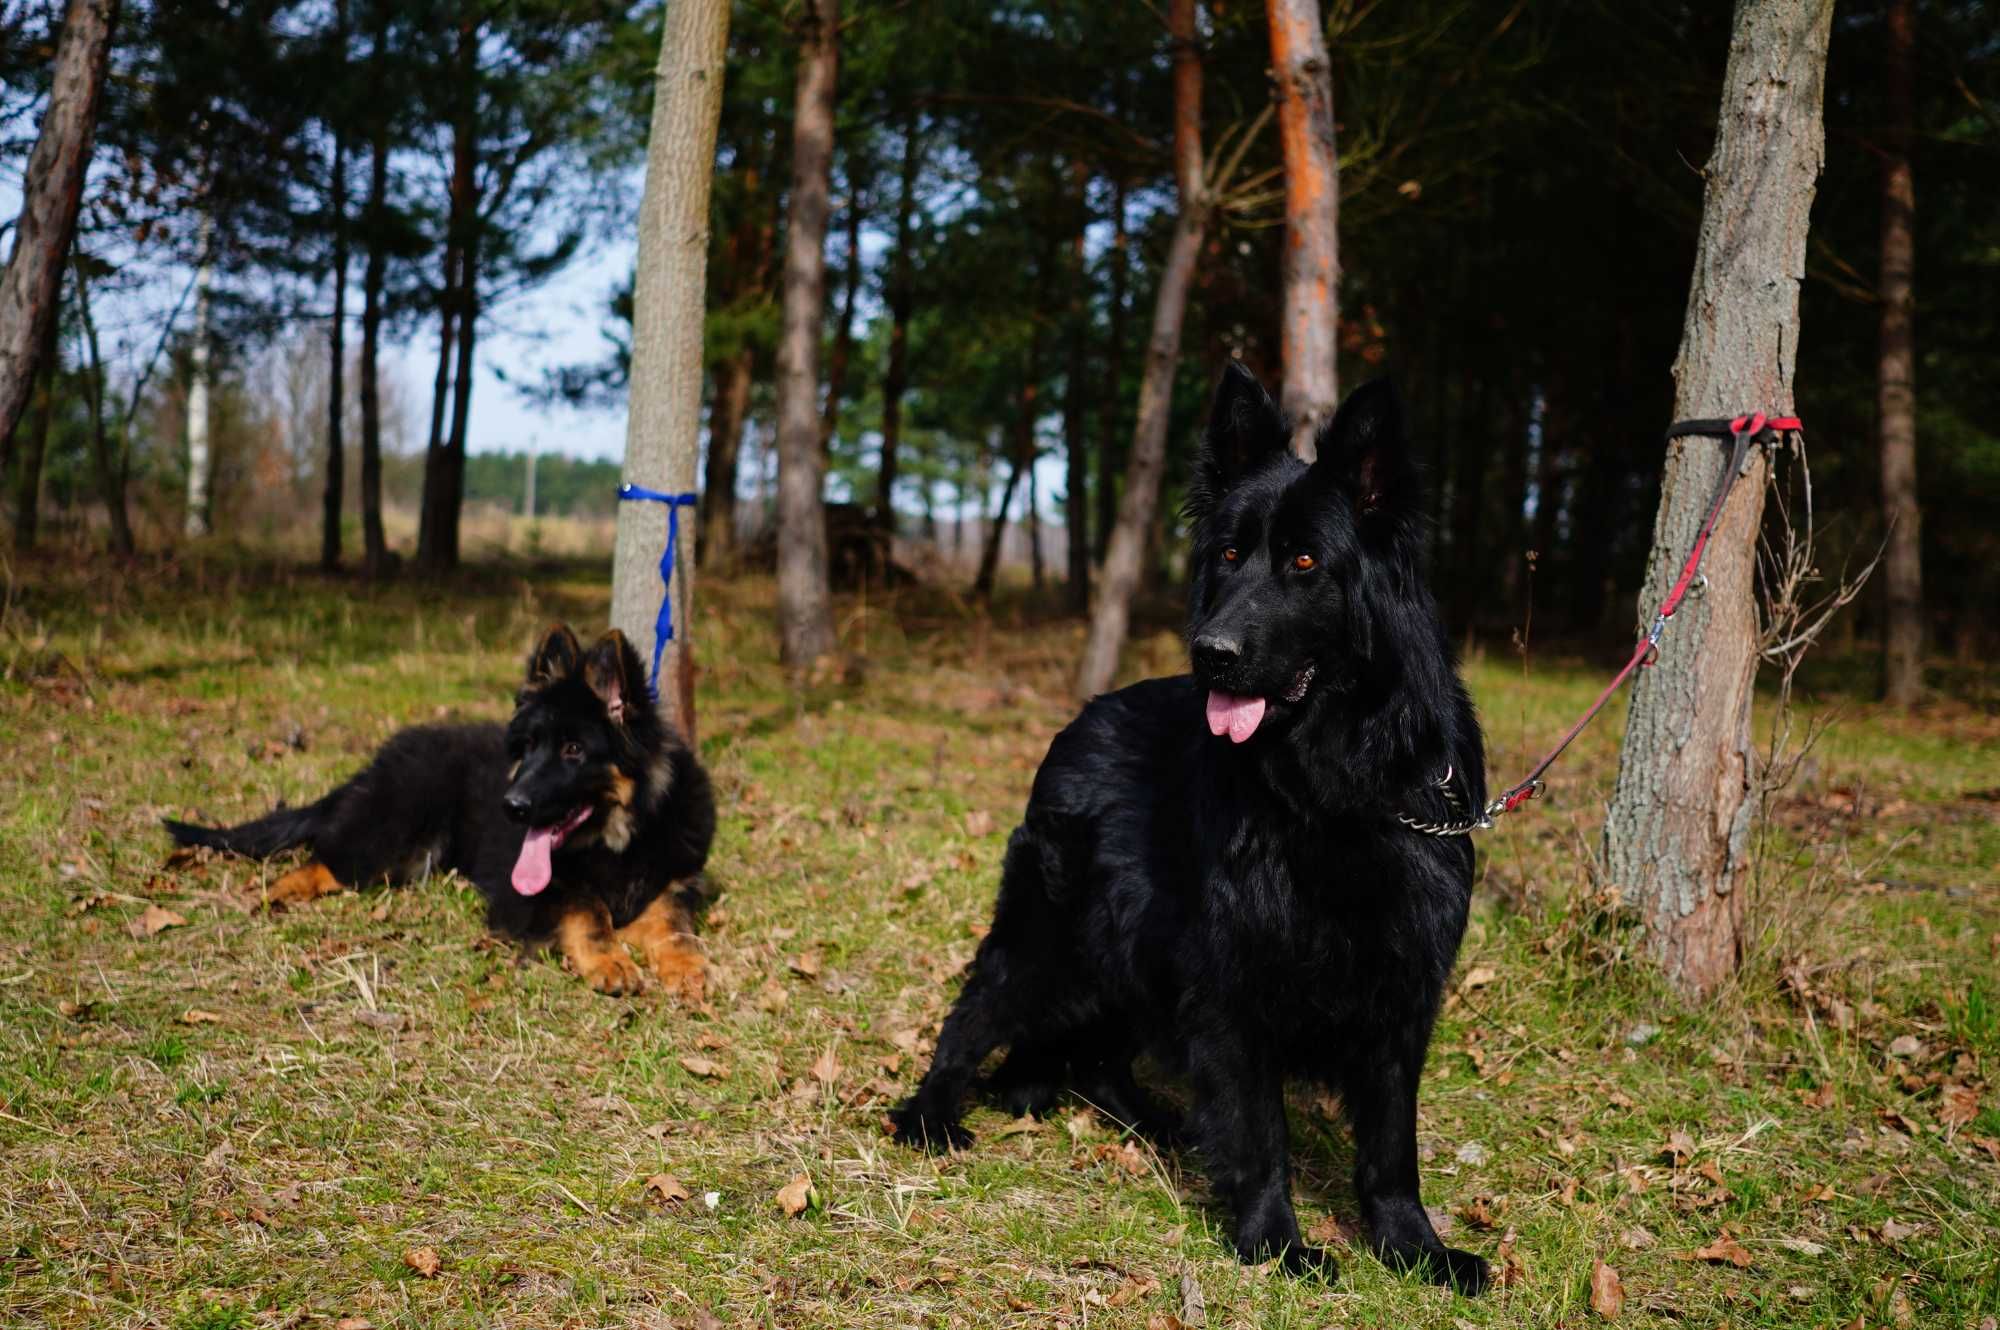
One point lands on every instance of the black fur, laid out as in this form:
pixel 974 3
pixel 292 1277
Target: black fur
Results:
pixel 1250 912
pixel 461 797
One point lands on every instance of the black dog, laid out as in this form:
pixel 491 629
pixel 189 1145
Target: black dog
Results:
pixel 1211 868
pixel 585 817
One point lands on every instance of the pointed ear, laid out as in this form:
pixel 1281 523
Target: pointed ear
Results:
pixel 1245 428
pixel 615 673
pixel 1363 452
pixel 555 656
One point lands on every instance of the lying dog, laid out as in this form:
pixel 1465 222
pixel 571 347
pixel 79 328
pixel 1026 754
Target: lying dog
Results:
pixel 1211 867
pixel 585 818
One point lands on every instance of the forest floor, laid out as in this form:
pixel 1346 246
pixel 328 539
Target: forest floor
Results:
pixel 368 1113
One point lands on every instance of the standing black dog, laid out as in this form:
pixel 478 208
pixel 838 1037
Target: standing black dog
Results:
pixel 585 818
pixel 1211 867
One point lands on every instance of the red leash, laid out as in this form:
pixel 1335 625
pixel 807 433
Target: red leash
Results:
pixel 1743 432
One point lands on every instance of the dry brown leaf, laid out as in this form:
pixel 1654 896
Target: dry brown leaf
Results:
pixel 1134 1288
pixel 668 1188
pixel 826 1067
pixel 1957 1105
pixel 772 997
pixel 1512 1270
pixel 153 920
pixel 1479 976
pixel 979 823
pixel 1637 1238
pixel 706 1067
pixel 1165 1321
pixel 76 1011
pixel 354 1323
pixel 796 1195
pixel 704 1319
pixel 1476 1214
pixel 423 1260
pixel 1820 1098
pixel 806 965
pixel 1818 1191
pixel 1607 1294
pixel 1900 1122
pixel 1906 1046
pixel 1725 1250
pixel 197 1016
pixel 1329 1231
pixel 710 1040
pixel 1894 1231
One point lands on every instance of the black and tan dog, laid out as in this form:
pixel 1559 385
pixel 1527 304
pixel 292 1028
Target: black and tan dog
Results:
pixel 585 818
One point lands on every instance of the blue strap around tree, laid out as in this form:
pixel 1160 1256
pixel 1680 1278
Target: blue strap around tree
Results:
pixel 663 628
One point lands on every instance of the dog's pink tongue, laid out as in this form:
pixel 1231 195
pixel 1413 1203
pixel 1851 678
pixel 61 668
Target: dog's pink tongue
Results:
pixel 532 870
pixel 1234 716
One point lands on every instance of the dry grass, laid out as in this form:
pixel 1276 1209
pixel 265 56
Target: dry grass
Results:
pixel 249 1119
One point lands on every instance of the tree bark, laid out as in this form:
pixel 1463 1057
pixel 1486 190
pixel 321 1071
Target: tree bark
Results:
pixel 733 380
pixel 896 379
pixel 1076 504
pixel 32 437
pixel 52 192
pixel 440 399
pixel 1310 339
pixel 110 467
pixel 335 496
pixel 1679 821
pixel 444 471
pixel 662 432
pixel 843 337
pixel 1110 456
pixel 805 601
pixel 1111 615
pixel 1022 465
pixel 375 548
pixel 200 459
pixel 1902 560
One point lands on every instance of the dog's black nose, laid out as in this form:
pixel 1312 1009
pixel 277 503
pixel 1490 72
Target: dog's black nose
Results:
pixel 1215 653
pixel 517 807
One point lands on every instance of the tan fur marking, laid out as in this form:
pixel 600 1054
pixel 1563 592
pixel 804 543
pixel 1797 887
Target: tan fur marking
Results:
pixel 664 934
pixel 618 821
pixel 583 933
pixel 301 885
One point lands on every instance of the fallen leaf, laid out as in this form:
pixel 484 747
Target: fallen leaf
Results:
pixel 380 1020
pixel 76 1011
pixel 1472 1152
pixel 1607 1294
pixel 1512 1271
pixel 1679 1148
pixel 707 1067
pixel 1899 1121
pixel 1894 1231
pixel 197 1016
pixel 979 823
pixel 806 965
pixel 668 1188
pixel 704 1319
pixel 1820 1098
pixel 1803 1246
pixel 796 1195
pixel 1475 1213
pixel 354 1323
pixel 1637 1238
pixel 709 1039
pixel 826 1067
pixel 772 997
pixel 1194 1310
pixel 1819 1191
pixel 1328 1231
pixel 1165 1321
pixel 423 1260
pixel 1906 1046
pixel 154 919
pixel 1725 1250
pixel 1957 1106
pixel 1479 976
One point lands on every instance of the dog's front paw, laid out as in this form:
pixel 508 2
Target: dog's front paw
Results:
pixel 1297 1256
pixel 1461 1271
pixel 612 973
pixel 935 1132
pixel 682 969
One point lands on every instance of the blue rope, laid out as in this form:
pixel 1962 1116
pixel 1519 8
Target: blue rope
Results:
pixel 663 627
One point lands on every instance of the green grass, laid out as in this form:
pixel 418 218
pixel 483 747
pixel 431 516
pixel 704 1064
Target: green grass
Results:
pixel 251 1120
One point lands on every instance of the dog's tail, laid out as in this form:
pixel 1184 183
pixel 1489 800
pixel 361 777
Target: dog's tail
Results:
pixel 259 839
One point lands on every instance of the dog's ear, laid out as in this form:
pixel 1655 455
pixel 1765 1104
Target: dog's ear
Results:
pixel 555 656
pixel 615 673
pixel 1245 428
pixel 1363 453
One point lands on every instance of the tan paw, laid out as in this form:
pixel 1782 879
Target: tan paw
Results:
pixel 682 968
pixel 612 972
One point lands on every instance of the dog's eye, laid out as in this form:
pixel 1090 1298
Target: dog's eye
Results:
pixel 1229 555
pixel 1305 563
pixel 572 751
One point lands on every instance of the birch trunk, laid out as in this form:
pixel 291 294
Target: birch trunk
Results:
pixel 52 191
pixel 1111 615
pixel 805 601
pixel 334 497
pixel 1679 821
pixel 200 459
pixel 662 431
pixel 1312 214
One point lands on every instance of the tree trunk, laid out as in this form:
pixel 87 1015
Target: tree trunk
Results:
pixel 375 556
pixel 1021 466
pixel 1679 821
pixel 200 459
pixel 440 400
pixel 896 379
pixel 805 602
pixel 1312 210
pixel 663 430
pixel 335 496
pixel 52 190
pixel 1076 503
pixel 1033 526
pixel 110 466
pixel 733 380
pixel 444 471
pixel 1110 456
pixel 1902 561
pixel 32 436
pixel 1111 614
pixel 843 337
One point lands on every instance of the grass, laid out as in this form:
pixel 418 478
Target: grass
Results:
pixel 277 1120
